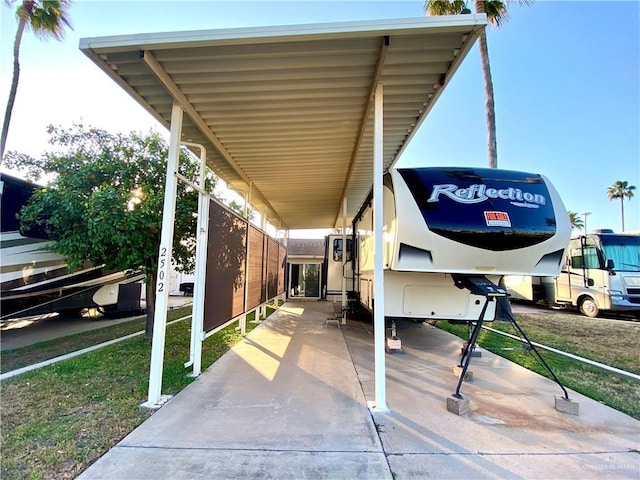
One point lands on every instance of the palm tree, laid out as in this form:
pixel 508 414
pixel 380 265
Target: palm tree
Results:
pixel 576 221
pixel 47 19
pixel 620 190
pixel 497 14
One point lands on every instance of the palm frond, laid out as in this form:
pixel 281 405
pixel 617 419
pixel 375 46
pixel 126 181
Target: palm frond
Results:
pixel 496 11
pixel 446 7
pixel 46 18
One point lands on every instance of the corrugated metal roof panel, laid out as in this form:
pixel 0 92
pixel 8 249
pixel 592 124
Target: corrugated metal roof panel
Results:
pixel 287 110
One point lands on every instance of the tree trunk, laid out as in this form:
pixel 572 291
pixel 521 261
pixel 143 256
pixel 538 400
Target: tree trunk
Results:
pixel 14 85
pixel 151 304
pixel 622 211
pixel 492 147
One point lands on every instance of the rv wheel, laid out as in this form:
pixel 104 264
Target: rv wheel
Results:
pixel 588 307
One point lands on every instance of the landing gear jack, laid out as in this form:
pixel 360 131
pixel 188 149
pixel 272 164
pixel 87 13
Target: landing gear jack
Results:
pixel 480 285
pixel 477 285
pixel 393 343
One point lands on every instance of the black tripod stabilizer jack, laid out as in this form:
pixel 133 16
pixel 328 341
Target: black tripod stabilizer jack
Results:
pixel 481 286
pixel 469 348
pixel 533 348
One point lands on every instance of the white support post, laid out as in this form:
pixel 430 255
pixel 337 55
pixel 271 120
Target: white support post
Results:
pixel 285 242
pixel 243 321
pixel 197 321
pixel 155 398
pixel 378 271
pixel 249 199
pixel 243 325
pixel 263 307
pixel 344 260
pixel 245 210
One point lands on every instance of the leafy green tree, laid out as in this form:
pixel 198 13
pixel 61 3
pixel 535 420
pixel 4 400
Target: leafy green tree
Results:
pixel 620 189
pixel 497 14
pixel 239 209
pixel 576 221
pixel 105 203
pixel 46 19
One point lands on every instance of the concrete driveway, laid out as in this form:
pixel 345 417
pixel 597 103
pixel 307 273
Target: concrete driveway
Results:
pixel 17 333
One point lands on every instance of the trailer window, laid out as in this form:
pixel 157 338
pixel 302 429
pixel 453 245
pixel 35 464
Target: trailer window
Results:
pixel 337 250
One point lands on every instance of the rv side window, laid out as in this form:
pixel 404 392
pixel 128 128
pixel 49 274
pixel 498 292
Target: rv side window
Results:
pixel 337 249
pixel 576 258
pixel 591 257
pixel 589 260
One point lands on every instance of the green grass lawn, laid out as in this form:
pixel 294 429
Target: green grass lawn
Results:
pixel 38 352
pixel 59 419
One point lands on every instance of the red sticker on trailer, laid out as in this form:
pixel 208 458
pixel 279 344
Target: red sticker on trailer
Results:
pixel 497 219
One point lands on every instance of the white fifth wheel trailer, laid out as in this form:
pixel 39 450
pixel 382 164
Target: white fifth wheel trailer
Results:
pixel 441 224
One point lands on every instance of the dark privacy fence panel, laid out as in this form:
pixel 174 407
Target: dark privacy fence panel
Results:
pixel 242 263
pixel 282 268
pixel 272 268
pixel 256 281
pixel 226 260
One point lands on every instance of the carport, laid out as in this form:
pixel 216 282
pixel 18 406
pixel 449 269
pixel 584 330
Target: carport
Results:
pixel 300 120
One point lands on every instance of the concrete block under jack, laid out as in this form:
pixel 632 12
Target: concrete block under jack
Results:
pixel 457 371
pixel 567 405
pixel 393 345
pixel 456 405
pixel 476 353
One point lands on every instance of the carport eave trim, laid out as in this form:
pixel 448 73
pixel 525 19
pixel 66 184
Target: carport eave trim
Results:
pixel 276 33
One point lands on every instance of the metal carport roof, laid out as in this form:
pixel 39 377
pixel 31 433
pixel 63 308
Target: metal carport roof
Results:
pixel 286 111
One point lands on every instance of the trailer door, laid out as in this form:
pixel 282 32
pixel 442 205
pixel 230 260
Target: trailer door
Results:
pixel 571 276
pixel 339 265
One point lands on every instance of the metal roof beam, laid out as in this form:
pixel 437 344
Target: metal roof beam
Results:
pixel 382 55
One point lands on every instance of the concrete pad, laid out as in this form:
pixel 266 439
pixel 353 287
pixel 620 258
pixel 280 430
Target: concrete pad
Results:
pixel 479 465
pixel 285 403
pixel 512 429
pixel 194 464
pixel 290 402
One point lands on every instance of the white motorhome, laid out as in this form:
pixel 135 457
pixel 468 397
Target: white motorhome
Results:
pixel 35 280
pixel 600 272
pixel 439 222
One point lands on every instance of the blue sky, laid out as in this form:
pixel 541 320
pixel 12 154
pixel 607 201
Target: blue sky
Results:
pixel 566 79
